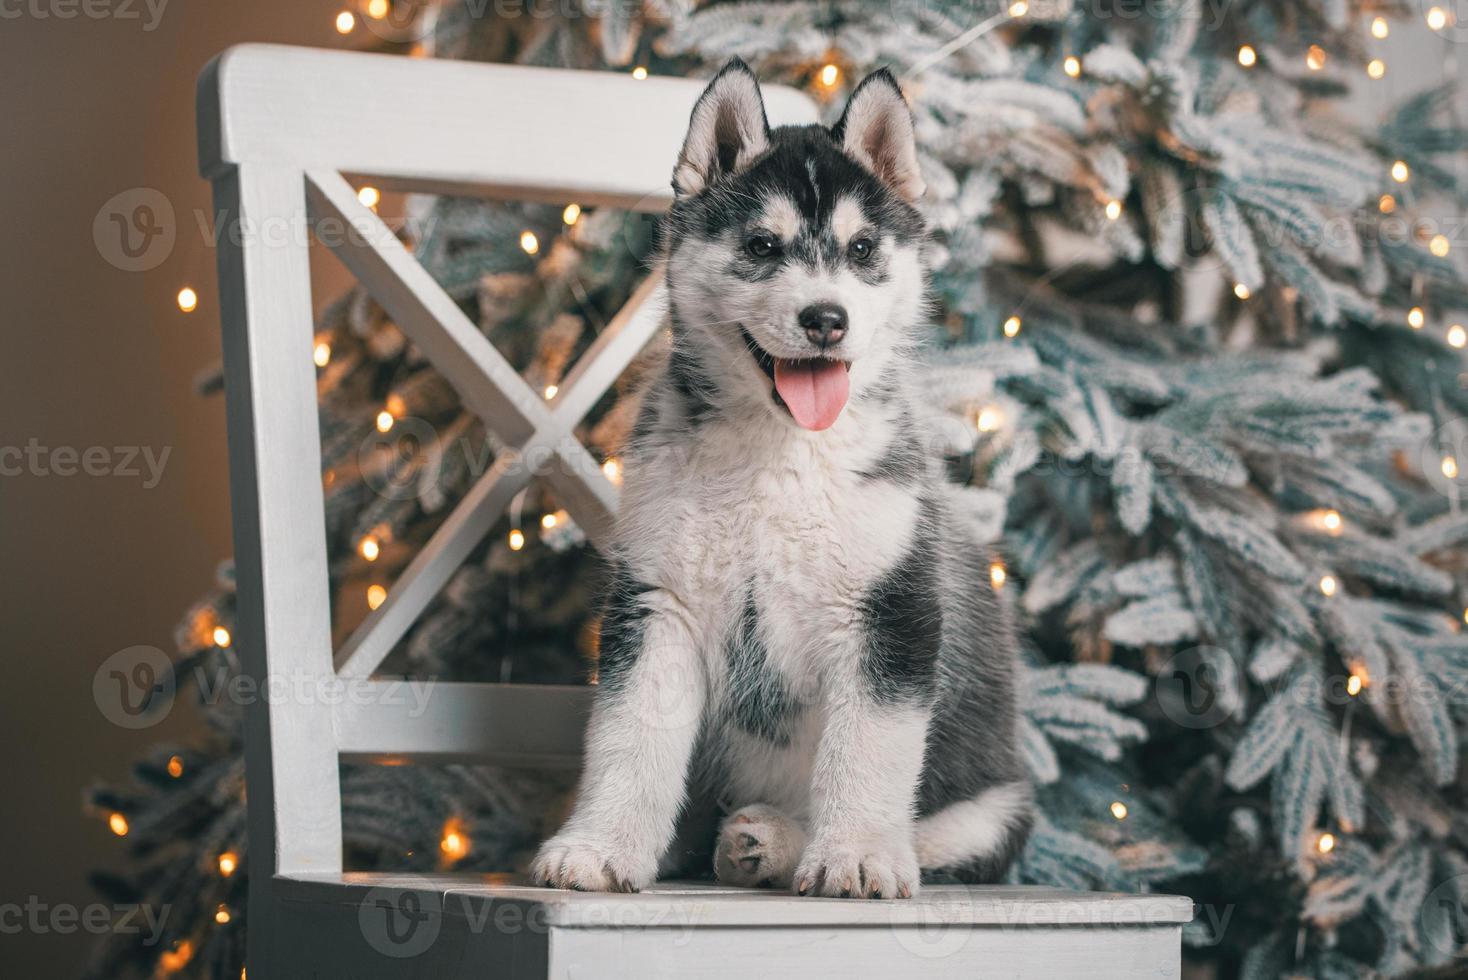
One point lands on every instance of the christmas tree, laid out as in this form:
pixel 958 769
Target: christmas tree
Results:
pixel 1196 360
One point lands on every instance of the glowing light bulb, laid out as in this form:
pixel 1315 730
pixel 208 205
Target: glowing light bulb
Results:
pixel 1119 810
pixel 1113 209
pixel 321 355
pixel 1354 684
pixel 221 914
pixel 376 596
pixel 1072 66
pixel 346 22
pixel 1326 843
pixel 989 418
pixel 1019 8
pixel 1450 467
pixel 221 636
pixel 829 76
pixel 1439 246
pixel 517 539
pixel 1242 291
pixel 1416 318
pixel 1437 18
pixel 1387 204
pixel 639 73
pixel 369 548
pixel 175 959
pixel 1328 585
pixel 1457 336
pixel 549 521
pixel 188 300
pixel 175 766
pixel 1376 68
pixel 551 391
pixel 1401 172
pixel 229 861
pixel 612 470
pixel 1380 28
pixel 1011 327
pixel 1248 57
pixel 529 242
pixel 384 421
pixel 572 214
pixel 1315 58
pixel 378 9
pixel 1331 520
pixel 997 575
pixel 455 841
pixel 370 197
pixel 117 823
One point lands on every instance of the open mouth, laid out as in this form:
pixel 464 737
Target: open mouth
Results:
pixel 812 389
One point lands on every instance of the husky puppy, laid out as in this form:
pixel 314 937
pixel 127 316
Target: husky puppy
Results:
pixel 795 614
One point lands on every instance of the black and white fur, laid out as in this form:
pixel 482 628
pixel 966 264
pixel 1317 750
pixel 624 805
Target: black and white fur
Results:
pixel 797 624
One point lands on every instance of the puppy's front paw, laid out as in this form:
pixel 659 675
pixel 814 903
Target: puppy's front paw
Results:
pixel 758 846
pixel 573 861
pixel 867 866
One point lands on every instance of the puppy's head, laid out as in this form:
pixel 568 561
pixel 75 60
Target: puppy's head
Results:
pixel 795 254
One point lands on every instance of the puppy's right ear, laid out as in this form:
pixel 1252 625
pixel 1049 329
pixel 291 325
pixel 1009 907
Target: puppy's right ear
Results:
pixel 727 132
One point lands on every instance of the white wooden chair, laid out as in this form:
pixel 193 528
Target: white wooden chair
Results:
pixel 278 129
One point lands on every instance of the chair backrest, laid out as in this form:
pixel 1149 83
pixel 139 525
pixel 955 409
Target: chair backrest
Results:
pixel 279 128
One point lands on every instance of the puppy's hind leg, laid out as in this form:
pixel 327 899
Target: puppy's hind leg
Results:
pixel 976 840
pixel 758 847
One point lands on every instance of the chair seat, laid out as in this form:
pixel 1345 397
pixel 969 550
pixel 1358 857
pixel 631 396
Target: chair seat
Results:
pixel 496 926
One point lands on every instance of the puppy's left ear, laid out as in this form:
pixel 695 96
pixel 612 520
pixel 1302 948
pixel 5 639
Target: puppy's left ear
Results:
pixel 876 131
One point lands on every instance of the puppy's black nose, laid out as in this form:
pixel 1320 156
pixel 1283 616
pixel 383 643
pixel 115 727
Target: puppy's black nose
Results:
pixel 824 323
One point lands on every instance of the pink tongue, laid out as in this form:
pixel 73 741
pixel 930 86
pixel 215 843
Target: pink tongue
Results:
pixel 814 391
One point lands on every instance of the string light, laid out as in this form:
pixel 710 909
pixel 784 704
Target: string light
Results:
pixel 175 766
pixel 1450 467
pixel 1354 684
pixel 1400 171
pixel 829 76
pixel 1380 28
pixel 221 637
pixel 188 300
pixel 346 22
pixel 572 214
pixel 369 548
pixel 997 575
pixel 455 842
pixel 612 470
pixel 549 521
pixel 1439 246
pixel 221 914
pixel 517 539
pixel 1072 66
pixel 1437 18
pixel 1325 843
pixel 1376 68
pixel 1019 8
pixel 376 596
pixel 378 9
pixel 370 197
pixel 989 418
pixel 1119 810
pixel 117 823
pixel 1331 520
pixel 1113 209
pixel 1416 318
pixel 1327 585
pixel 177 958
pixel 550 391
pixel 384 420
pixel 229 862
pixel 1315 58
pixel 1387 204
pixel 1011 327
pixel 640 72
pixel 1457 336
pixel 1242 291
pixel 1248 57
pixel 321 355
pixel 529 242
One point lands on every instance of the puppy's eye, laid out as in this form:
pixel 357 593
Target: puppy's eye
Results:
pixel 862 249
pixel 762 246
